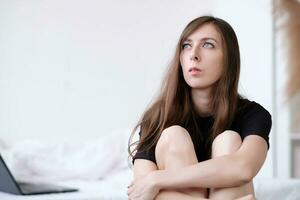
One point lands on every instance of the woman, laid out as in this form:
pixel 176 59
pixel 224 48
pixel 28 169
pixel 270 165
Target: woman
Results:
pixel 200 139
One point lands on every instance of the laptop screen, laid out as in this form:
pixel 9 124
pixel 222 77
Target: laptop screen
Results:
pixel 7 181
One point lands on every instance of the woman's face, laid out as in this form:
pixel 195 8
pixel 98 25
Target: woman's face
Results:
pixel 201 57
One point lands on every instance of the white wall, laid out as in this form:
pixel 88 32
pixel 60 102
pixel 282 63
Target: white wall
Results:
pixel 252 22
pixel 282 107
pixel 71 69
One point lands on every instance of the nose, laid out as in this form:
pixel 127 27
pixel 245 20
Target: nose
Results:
pixel 194 55
pixel 194 58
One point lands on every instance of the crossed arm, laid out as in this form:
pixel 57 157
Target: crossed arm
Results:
pixel 223 171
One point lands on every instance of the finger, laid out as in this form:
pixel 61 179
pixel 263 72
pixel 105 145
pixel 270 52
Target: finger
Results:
pixel 128 193
pixel 130 184
pixel 130 197
pixel 129 190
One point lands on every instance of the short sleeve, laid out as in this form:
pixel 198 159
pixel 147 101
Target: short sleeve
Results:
pixel 256 120
pixel 145 154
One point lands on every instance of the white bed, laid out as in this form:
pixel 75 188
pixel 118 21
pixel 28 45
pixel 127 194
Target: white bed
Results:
pixel 92 177
pixel 114 188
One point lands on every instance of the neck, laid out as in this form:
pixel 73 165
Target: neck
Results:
pixel 201 99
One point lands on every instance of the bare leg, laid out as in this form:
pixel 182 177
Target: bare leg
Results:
pixel 247 197
pixel 173 194
pixel 174 150
pixel 227 143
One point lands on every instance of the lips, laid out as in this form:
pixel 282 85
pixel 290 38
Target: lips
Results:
pixel 194 69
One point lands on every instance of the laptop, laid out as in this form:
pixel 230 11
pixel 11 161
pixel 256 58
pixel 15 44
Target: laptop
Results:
pixel 8 184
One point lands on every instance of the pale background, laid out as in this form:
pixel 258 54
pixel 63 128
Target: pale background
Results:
pixel 74 70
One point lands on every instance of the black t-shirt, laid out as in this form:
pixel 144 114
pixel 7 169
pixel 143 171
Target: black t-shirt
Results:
pixel 250 119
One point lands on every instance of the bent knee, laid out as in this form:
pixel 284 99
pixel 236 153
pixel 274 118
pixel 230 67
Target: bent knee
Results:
pixel 175 139
pixel 226 143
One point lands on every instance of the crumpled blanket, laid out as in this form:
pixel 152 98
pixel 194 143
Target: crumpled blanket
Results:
pixel 36 160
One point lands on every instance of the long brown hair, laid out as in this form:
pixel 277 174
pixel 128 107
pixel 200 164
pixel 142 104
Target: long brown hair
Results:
pixel 174 105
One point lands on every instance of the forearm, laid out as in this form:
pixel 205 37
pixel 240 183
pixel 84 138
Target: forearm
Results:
pixel 219 172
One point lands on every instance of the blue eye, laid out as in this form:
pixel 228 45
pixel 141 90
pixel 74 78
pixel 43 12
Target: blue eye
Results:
pixel 185 45
pixel 208 45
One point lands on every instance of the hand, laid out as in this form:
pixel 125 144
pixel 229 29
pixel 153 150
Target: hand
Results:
pixel 143 189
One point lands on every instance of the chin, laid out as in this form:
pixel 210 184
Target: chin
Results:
pixel 201 87
pixel 198 86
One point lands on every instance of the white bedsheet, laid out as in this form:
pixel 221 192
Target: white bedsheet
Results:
pixel 114 188
pixel 36 161
pixel 277 189
pixel 44 161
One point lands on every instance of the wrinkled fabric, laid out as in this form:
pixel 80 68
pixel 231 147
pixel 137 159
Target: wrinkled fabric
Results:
pixel 36 160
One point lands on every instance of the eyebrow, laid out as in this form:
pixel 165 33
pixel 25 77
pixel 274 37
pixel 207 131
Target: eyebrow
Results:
pixel 203 39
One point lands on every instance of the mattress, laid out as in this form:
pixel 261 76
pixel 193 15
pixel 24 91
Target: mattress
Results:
pixel 114 188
